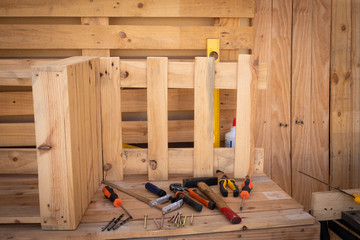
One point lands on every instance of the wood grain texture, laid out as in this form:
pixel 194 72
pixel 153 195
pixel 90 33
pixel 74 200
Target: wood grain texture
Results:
pixel 66 98
pixel 123 8
pixel 262 55
pixel 244 135
pixel 111 118
pixel 18 161
pixel 329 205
pixel 102 21
pixel 17 134
pixel 280 96
pixel 203 116
pixel 340 107
pixel 16 104
pixel 157 114
pixel 125 37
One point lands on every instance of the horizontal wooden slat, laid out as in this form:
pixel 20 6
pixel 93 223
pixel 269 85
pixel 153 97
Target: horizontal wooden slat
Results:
pixel 125 8
pixel 126 37
pixel 17 134
pixel 181 160
pixel 16 104
pixel 18 161
pixel 180 74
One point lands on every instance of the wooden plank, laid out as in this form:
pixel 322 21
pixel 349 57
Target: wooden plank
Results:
pixel 280 93
pixel 102 21
pixel 203 116
pixel 67 138
pixel 18 161
pixel 243 135
pixel 17 134
pixel 111 118
pixel 157 114
pixel 20 214
pixel 16 104
pixel 181 160
pixel 125 37
pixel 329 205
pixel 301 100
pixel 355 24
pixel 181 74
pixel 340 103
pixel 123 8
pixel 262 55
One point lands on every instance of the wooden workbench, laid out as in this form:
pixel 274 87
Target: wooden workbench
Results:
pixel 269 213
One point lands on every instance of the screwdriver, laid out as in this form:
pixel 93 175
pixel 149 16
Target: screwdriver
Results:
pixel 245 191
pixel 114 198
pixel 355 196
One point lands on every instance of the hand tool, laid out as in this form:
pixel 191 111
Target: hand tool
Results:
pixel 122 223
pixel 128 192
pixel 220 204
pixel 188 200
pixel 192 182
pixel 114 198
pixel 160 200
pixel 355 196
pixel 154 189
pixel 246 188
pixel 172 207
pixel 226 181
pixel 115 222
pixel 107 225
pixel 194 193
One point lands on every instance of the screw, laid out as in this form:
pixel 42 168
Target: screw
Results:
pixel 192 219
pixel 157 224
pixel 179 220
pixel 162 221
pixel 184 221
pixel 145 220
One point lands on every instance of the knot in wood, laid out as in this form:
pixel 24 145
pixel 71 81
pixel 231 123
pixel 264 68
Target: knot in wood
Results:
pixel 140 5
pixel 44 147
pixel 107 167
pixel 122 35
pixel 153 164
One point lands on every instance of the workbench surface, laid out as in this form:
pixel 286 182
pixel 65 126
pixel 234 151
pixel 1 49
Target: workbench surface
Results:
pixel 269 213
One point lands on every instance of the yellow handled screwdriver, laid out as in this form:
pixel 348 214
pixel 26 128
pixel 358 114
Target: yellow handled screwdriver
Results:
pixel 355 196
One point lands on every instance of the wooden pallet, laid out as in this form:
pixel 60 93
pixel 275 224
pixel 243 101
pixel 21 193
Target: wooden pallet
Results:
pixel 269 213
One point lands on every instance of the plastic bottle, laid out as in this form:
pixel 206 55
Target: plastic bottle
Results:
pixel 230 136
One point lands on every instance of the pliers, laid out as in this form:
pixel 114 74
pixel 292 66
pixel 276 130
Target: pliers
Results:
pixel 226 181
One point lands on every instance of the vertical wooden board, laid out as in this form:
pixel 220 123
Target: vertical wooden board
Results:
pixel 111 118
pixel 50 99
pixel 262 55
pixel 340 118
pixel 157 115
pixel 280 92
pixel 95 21
pixel 320 99
pixel 301 100
pixel 354 171
pixel 203 116
pixel 244 134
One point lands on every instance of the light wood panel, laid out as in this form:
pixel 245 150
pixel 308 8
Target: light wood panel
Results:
pixel 123 8
pixel 244 144
pixel 126 37
pixel 157 115
pixel 68 139
pixel 280 97
pixel 16 104
pixel 18 161
pixel 17 134
pixel 111 118
pixel 203 116
pixel 102 21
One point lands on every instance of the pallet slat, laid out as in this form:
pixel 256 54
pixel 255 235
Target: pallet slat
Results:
pixel 157 114
pixel 18 161
pixel 203 116
pixel 16 104
pixel 17 134
pixel 124 37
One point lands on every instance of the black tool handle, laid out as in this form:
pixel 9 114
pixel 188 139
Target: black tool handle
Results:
pixel 192 182
pixel 222 184
pixel 154 189
pixel 189 201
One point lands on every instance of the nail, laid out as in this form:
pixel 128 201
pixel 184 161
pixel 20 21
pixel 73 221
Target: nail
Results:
pixel 184 221
pixel 192 219
pixel 162 221
pixel 157 224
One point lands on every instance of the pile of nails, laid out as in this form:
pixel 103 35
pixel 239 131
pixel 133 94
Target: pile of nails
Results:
pixel 178 221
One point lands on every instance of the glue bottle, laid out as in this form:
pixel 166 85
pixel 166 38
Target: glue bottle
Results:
pixel 230 136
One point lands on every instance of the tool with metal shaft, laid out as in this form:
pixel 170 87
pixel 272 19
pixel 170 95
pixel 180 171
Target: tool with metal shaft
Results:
pixel 220 204
pixel 247 186
pixel 114 198
pixel 355 196
pixel 173 206
pixel 160 200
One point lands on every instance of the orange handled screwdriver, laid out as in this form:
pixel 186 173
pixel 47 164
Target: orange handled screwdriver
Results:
pixel 114 198
pixel 247 186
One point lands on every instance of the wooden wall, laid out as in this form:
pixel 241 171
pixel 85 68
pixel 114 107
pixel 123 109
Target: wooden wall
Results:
pixel 307 61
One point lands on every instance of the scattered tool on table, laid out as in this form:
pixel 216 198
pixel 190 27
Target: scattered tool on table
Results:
pixel 160 200
pixel 128 192
pixel 220 203
pixel 113 224
pixel 173 206
pixel 154 189
pixel 226 181
pixel 107 225
pixel 192 182
pixel 246 188
pixel 194 193
pixel 179 193
pixel 355 196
